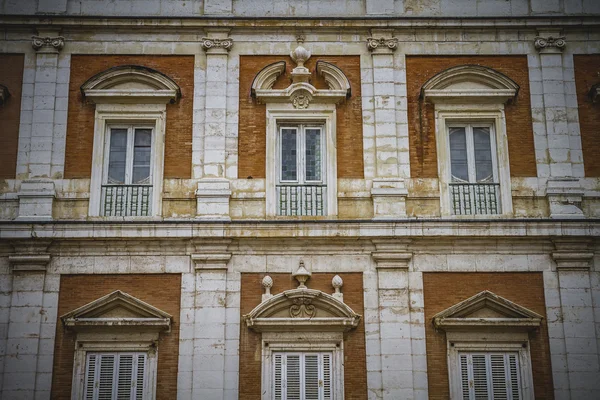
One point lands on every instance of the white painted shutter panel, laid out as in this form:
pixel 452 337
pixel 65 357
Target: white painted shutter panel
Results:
pixel 515 385
pixel 106 377
pixel 141 377
pixel 480 377
pixel 498 377
pixel 293 378
pixel 277 377
pixel 90 377
pixel 125 377
pixel 327 376
pixel 464 376
pixel 311 377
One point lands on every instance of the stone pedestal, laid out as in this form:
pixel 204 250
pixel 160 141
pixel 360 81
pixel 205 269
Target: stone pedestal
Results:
pixel 36 198
pixel 213 199
pixel 564 197
pixel 389 198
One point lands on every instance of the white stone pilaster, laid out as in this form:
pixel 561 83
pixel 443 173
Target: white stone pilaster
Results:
pixel 388 192
pixel 573 262
pixel 564 190
pixel 27 365
pixel 210 321
pixel 397 373
pixel 213 191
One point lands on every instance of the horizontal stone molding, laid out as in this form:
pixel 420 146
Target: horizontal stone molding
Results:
pixel 211 261
pixel 29 262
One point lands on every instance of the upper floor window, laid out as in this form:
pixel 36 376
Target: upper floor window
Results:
pixel 120 375
pixel 490 375
pixel 127 160
pixel 127 183
pixel 474 186
pixel 302 184
pixel 472 145
pixel 302 376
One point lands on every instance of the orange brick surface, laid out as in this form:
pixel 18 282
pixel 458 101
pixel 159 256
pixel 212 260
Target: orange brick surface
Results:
pixel 355 371
pixel 252 118
pixel 423 152
pixel 80 121
pixel 11 76
pixel 443 290
pixel 159 290
pixel 587 68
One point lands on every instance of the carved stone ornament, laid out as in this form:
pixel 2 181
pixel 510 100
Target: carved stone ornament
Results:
pixel 209 44
pixel 50 44
pixel 543 43
pixel 374 43
pixel 302 275
pixel 301 100
pixel 302 308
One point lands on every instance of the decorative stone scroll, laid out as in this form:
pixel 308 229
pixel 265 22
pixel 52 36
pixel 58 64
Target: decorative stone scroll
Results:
pixel 550 42
pixel 47 44
pixel 217 44
pixel 382 43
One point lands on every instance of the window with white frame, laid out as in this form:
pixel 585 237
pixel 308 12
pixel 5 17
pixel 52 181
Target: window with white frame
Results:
pixel 127 182
pixel 302 376
pixel 115 376
pixel 474 186
pixel 489 375
pixel 302 185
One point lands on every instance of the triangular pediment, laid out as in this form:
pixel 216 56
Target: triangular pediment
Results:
pixel 489 310
pixel 117 309
pixel 302 309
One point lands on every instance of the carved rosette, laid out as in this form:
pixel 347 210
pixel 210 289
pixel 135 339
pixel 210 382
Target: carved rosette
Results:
pixel 47 44
pixel 302 308
pixel 301 100
pixel 390 44
pixel 224 45
pixel 550 43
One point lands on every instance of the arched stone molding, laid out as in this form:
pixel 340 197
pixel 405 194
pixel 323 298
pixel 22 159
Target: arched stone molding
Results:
pixel 131 83
pixel 334 76
pixel 302 309
pixel 469 83
pixel 267 76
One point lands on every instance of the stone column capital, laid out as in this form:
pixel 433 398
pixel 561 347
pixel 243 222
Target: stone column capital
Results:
pixel 550 41
pixel 573 253
pixel 382 45
pixel 30 255
pixel 392 253
pixel 214 45
pixel 210 254
pixel 47 44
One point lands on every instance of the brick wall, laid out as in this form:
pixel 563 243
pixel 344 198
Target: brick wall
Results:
pixel 11 76
pixel 423 152
pixel 160 290
pixel 355 370
pixel 442 290
pixel 587 68
pixel 252 117
pixel 80 120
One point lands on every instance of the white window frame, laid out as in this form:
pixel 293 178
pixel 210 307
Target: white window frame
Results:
pixel 303 342
pixel 302 371
pixel 448 115
pixel 318 114
pixel 476 342
pixel 108 343
pixel 112 115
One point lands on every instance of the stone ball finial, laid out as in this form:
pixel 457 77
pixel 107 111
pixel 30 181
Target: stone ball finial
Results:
pixel 300 55
pixel 337 283
pixel 267 282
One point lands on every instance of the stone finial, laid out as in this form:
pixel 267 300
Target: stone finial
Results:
pixel 267 283
pixel 215 45
pixel 302 275
pixel 300 55
pixel 337 284
pixel 554 44
pixel 389 44
pixel 47 44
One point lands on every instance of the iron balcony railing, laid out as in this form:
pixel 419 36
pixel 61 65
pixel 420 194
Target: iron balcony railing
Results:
pixel 126 200
pixel 475 198
pixel 302 200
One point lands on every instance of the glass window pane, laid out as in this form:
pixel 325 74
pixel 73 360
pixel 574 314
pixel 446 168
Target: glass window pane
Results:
pixel 458 155
pixel 289 155
pixel 313 154
pixel 141 156
pixel 483 154
pixel 117 156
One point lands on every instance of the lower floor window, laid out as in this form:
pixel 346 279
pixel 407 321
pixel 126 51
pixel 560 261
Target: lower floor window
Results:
pixel 302 376
pixel 490 376
pixel 115 376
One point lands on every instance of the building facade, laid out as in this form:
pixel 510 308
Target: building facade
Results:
pixel 346 199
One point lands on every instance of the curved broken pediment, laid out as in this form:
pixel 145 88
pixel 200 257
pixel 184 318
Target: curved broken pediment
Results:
pixel 302 309
pixel 131 83
pixel 334 76
pixel 267 76
pixel 468 83
pixel 117 309
pixel 486 310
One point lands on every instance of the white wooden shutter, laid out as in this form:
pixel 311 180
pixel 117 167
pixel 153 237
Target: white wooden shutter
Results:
pixel 115 376
pixel 302 376
pixel 311 377
pixel 327 391
pixel 277 377
pixel 292 377
pixel 490 376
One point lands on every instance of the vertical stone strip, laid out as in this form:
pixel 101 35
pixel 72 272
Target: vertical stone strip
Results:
pixel 573 261
pixel 61 101
pixel 401 115
pixel 27 373
pixel 564 191
pixel 372 336
pixel 213 189
pixel 388 191
pixel 210 320
pixel 397 372
pixel 417 335
pixel 232 334
pixel 185 370
pixel 199 117
pixel 24 145
pixel 37 192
